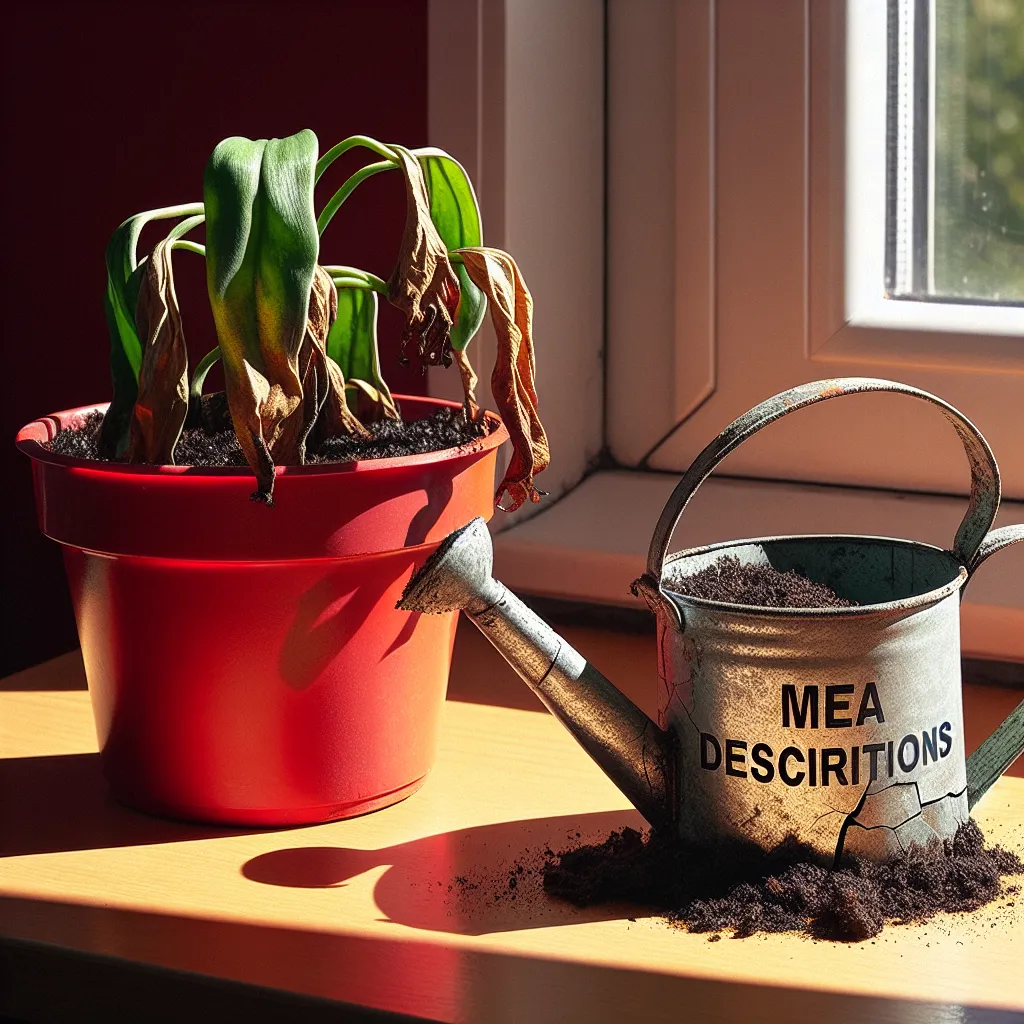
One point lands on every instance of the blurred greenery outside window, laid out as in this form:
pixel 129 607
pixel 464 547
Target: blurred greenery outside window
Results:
pixel 956 140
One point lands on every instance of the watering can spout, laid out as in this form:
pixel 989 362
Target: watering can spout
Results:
pixel 632 751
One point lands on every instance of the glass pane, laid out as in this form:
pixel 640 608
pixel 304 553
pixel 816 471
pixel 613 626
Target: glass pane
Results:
pixel 976 244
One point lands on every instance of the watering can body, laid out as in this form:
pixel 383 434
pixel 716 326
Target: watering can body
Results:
pixel 839 727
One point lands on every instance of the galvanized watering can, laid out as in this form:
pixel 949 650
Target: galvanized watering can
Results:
pixel 842 727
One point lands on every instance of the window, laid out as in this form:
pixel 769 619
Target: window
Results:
pixel 956 151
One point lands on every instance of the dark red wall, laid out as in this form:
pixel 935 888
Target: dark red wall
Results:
pixel 113 108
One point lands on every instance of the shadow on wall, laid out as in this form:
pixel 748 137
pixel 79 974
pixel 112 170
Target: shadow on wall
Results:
pixel 90 140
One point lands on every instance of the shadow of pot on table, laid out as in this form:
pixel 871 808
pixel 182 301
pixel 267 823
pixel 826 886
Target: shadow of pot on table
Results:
pixel 470 881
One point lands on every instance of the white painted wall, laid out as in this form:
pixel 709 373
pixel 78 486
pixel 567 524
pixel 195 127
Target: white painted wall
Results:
pixel 516 94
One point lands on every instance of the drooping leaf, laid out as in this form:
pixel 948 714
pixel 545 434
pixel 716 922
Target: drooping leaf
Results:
pixel 371 404
pixel 124 274
pixel 162 402
pixel 261 254
pixel 469 382
pixel 352 344
pixel 332 414
pixel 512 381
pixel 423 284
pixel 456 215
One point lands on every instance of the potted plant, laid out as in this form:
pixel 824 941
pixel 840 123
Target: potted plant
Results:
pixel 245 659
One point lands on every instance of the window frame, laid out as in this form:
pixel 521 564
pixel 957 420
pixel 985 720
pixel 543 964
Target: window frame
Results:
pixel 867 304
pixel 790 295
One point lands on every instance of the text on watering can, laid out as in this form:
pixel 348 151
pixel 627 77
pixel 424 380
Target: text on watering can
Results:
pixel 825 766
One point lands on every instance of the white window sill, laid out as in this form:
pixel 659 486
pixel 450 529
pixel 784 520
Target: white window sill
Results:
pixel 592 544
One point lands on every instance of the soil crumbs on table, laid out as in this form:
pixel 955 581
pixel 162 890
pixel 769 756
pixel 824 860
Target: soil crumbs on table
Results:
pixel 747 892
pixel 213 443
pixel 728 580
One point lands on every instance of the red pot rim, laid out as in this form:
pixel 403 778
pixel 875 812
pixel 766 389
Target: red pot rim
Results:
pixel 329 510
pixel 32 437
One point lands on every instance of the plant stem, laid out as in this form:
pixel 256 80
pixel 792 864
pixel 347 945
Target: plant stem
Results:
pixel 350 143
pixel 359 278
pixel 347 189
pixel 140 220
pixel 184 243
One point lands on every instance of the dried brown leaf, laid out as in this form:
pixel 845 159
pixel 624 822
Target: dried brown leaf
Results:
pixel 469 382
pixel 332 413
pixel 316 397
pixel 423 284
pixel 162 401
pixel 513 379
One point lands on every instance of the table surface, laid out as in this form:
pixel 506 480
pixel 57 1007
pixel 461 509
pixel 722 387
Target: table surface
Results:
pixel 371 912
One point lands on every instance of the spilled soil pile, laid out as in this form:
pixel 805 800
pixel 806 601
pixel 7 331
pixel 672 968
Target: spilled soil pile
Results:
pixel 745 892
pixel 213 442
pixel 730 581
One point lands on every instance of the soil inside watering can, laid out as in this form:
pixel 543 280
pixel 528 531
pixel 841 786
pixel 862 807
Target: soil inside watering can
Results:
pixel 757 585
pixel 214 443
pixel 745 892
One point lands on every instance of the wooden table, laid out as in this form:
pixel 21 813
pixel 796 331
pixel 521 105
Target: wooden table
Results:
pixel 106 914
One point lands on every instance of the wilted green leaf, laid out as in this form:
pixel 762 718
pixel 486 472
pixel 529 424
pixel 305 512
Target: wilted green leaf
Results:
pixel 261 254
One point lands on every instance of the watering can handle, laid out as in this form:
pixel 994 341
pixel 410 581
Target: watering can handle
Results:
pixel 1001 749
pixel 973 541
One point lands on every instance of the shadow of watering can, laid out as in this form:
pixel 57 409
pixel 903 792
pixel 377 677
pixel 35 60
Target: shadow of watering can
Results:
pixel 842 727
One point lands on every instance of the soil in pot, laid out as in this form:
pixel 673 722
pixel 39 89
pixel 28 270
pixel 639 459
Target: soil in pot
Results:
pixel 212 442
pixel 744 892
pixel 728 580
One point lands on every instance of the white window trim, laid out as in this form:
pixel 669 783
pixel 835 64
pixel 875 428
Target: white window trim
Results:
pixel 753 298
pixel 593 542
pixel 866 303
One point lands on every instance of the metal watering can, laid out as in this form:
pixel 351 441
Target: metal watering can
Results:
pixel 841 727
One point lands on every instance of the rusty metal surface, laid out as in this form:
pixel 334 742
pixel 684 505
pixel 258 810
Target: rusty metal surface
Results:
pixel 626 744
pixel 794 724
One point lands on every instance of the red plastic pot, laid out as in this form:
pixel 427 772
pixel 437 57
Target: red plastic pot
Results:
pixel 246 664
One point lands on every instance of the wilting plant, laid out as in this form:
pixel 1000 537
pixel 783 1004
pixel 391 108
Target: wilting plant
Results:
pixel 298 340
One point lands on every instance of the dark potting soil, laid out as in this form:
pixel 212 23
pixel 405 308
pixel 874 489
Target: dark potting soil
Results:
pixel 730 581
pixel 213 443
pixel 787 890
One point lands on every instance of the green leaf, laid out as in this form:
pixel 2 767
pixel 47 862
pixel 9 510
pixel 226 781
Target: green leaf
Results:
pixel 229 192
pixel 204 366
pixel 262 243
pixel 352 341
pixel 261 253
pixel 456 215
